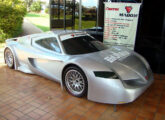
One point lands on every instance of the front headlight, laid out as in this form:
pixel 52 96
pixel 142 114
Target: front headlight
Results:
pixel 106 74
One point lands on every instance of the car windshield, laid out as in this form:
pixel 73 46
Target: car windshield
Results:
pixel 82 45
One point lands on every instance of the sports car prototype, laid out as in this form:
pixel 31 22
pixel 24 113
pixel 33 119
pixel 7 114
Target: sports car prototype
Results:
pixel 81 64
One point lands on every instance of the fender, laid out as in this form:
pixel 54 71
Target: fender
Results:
pixel 16 63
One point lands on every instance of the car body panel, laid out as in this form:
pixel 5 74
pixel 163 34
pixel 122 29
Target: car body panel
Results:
pixel 127 64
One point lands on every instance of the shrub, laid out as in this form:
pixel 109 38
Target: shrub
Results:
pixel 11 18
pixel 36 6
pixel 3 36
pixel 47 10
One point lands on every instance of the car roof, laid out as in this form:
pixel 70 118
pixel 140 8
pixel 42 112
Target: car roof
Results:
pixel 63 32
pixel 55 32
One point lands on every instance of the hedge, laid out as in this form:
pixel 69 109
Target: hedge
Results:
pixel 11 18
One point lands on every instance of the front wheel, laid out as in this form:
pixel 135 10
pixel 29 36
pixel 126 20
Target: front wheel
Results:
pixel 75 81
pixel 9 58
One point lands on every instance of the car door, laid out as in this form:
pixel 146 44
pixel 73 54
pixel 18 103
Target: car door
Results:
pixel 48 60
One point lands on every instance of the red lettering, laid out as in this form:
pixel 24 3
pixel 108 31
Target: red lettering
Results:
pixel 112 9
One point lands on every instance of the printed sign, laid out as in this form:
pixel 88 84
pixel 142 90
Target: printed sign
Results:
pixel 120 23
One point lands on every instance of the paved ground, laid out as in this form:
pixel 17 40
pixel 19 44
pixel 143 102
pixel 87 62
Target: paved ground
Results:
pixel 31 97
pixel 1 55
pixel 29 28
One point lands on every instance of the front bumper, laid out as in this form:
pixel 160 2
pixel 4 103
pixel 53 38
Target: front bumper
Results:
pixel 113 91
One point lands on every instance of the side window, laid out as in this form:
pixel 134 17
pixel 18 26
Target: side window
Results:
pixel 49 43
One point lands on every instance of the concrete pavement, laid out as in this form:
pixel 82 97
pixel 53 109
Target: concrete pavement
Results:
pixel 29 28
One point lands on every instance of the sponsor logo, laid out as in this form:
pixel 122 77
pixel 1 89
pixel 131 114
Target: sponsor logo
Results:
pixel 128 9
pixel 128 15
pixel 112 9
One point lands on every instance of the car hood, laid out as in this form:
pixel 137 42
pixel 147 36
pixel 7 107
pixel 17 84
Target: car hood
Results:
pixel 122 61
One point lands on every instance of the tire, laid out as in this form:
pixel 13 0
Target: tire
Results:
pixel 9 58
pixel 75 81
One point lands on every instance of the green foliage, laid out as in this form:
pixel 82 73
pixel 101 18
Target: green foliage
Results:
pixel 39 20
pixel 89 13
pixel 11 18
pixel 47 10
pixel 3 36
pixel 43 28
pixel 28 3
pixel 36 6
pixel 33 15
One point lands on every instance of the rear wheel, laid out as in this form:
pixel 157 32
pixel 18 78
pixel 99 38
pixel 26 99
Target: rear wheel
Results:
pixel 75 81
pixel 9 58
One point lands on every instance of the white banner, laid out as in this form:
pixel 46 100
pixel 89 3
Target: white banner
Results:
pixel 120 23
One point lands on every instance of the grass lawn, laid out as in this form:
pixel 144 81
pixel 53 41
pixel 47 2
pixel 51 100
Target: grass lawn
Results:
pixel 39 20
pixel 86 24
pixel 42 21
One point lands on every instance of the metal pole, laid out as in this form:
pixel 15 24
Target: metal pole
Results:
pixel 64 14
pixel 100 13
pixel 97 22
pixel 58 9
pixel 80 14
pixel 73 14
pixel 50 13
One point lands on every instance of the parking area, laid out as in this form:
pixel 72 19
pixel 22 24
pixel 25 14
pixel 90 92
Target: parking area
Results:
pixel 31 97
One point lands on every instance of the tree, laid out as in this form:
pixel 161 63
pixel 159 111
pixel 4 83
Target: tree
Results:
pixel 28 3
pixel 36 6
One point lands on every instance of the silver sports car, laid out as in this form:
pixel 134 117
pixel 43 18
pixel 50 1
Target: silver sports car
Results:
pixel 81 64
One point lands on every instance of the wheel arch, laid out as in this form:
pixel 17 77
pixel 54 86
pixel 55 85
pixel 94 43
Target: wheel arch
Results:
pixel 68 65
pixel 5 51
pixel 14 55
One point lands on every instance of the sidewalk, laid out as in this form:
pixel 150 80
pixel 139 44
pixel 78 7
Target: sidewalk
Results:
pixel 28 28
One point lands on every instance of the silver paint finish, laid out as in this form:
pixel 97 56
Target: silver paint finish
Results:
pixel 29 58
